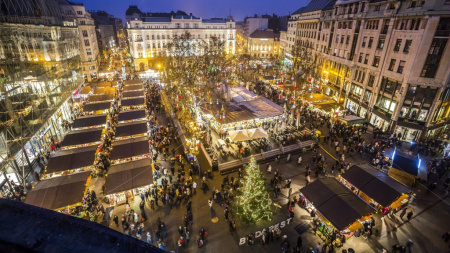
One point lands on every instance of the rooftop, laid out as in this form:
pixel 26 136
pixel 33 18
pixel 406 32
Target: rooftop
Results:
pixel 266 34
pixel 315 5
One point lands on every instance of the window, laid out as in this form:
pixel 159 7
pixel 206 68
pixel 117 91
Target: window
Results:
pixel 168 37
pixel 79 13
pixel 401 65
pixel 186 25
pixel 86 43
pixel 88 51
pixel 413 4
pixel 407 46
pixel 376 61
pixel 391 65
pixel 163 37
pixel 377 7
pixel 398 43
pixel 367 96
pixel 370 42
pixel 91 67
pixel 82 22
pixel 85 33
pixel 380 43
pixel 371 80
pixel 178 25
pixel 348 39
pixel 364 42
pixel 337 39
pixel 153 36
pixel 342 39
pixel 360 57
pixel 366 59
pixel 434 57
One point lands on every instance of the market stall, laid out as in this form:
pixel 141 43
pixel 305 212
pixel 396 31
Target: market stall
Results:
pixel 106 84
pixel 132 94
pixel 351 120
pixel 101 98
pixel 70 161
pixel 133 82
pixel 59 192
pixel 94 107
pixel 131 115
pixel 256 133
pixel 405 168
pixel 86 90
pixel 130 149
pixel 133 129
pixel 240 135
pixel 106 90
pixel 89 122
pixel 375 187
pixel 87 137
pixel 133 102
pixel 338 208
pixel 133 87
pixel 128 180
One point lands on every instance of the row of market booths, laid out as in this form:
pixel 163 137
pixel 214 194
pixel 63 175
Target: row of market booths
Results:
pixel 67 175
pixel 346 204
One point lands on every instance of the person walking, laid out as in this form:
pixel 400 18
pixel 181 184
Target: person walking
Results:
pixel 210 203
pixel 149 238
pixel 116 220
pixel 409 215
pixel 194 186
pixel 403 213
pixel 226 213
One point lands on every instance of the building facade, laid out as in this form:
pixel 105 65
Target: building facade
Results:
pixel 89 50
pixel 40 67
pixel 149 33
pixel 387 61
pixel 252 24
pixel 263 44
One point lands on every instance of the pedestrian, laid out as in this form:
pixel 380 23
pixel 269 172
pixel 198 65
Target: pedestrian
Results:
pixel 194 186
pixel 226 213
pixel 149 238
pixel 210 202
pixel 409 215
pixel 446 237
pixel 116 220
pixel 299 242
pixel 269 168
pixel 403 213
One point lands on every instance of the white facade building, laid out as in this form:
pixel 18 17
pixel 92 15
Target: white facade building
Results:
pixel 250 25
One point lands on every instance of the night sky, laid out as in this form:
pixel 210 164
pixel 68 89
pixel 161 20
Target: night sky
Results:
pixel 200 8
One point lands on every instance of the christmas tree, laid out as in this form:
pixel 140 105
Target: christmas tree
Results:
pixel 254 201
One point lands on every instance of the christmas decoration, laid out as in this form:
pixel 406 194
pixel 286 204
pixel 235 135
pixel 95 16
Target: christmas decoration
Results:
pixel 254 201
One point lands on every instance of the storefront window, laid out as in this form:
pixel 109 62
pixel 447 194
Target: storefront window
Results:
pixel 387 104
pixel 367 96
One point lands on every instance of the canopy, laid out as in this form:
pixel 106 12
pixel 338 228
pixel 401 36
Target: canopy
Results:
pixel 58 192
pixel 129 129
pixel 405 162
pixel 100 97
pixel 130 115
pixel 82 137
pixel 96 106
pixel 106 84
pixel 132 101
pixel 256 133
pixel 375 184
pixel 132 82
pixel 351 119
pixel 104 90
pixel 127 176
pixel 89 121
pixel 130 147
pixel 238 136
pixel 133 87
pixel 71 159
pixel 136 93
pixel 336 202
pixel 85 90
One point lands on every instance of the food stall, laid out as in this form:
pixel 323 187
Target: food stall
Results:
pixel 85 91
pixel 106 90
pixel 130 149
pixel 70 161
pixel 101 98
pixel 82 138
pixel 59 192
pixel 132 94
pixel 131 130
pixel 132 82
pixel 133 87
pixel 128 180
pixel 97 108
pixel 405 168
pixel 106 84
pixel 89 122
pixel 132 115
pixel 135 103
pixel 337 208
pixel 376 188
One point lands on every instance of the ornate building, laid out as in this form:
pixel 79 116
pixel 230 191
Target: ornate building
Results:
pixel 149 33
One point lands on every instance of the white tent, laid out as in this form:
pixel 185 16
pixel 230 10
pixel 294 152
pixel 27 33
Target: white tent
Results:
pixel 256 133
pixel 238 136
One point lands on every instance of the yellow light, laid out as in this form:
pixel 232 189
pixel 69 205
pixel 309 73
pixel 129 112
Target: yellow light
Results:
pixel 159 66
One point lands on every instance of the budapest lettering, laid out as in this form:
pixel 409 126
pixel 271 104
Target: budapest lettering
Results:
pixel 258 234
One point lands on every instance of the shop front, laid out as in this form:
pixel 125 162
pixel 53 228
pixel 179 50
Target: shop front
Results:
pixel 380 120
pixel 352 106
pixel 407 133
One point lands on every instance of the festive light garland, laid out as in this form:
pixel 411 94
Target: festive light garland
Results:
pixel 254 203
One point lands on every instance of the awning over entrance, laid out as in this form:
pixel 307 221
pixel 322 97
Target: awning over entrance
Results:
pixel 128 176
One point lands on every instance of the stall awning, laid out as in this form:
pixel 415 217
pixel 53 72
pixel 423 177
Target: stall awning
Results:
pixel 240 135
pixel 101 97
pixel 110 90
pixel 133 87
pixel 130 115
pixel 106 84
pixel 351 119
pixel 375 184
pixel 262 107
pixel 130 147
pixel 89 121
pixel 71 159
pixel 336 203
pixel 133 101
pixel 129 129
pixel 58 192
pixel 85 90
pixel 127 176
pixel 82 137
pixel 132 82
pixel 256 133
pixel 96 106
pixel 407 163
pixel 130 94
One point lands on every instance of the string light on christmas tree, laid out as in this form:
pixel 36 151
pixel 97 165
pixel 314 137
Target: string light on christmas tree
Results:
pixel 255 202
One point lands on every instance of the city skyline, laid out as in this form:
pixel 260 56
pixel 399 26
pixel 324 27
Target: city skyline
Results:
pixel 200 8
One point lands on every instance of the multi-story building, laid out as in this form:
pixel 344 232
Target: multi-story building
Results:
pixel 149 33
pixel 40 67
pixel 283 43
pixel 263 44
pixel 252 24
pixel 387 60
pixel 88 42
pixel 111 30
